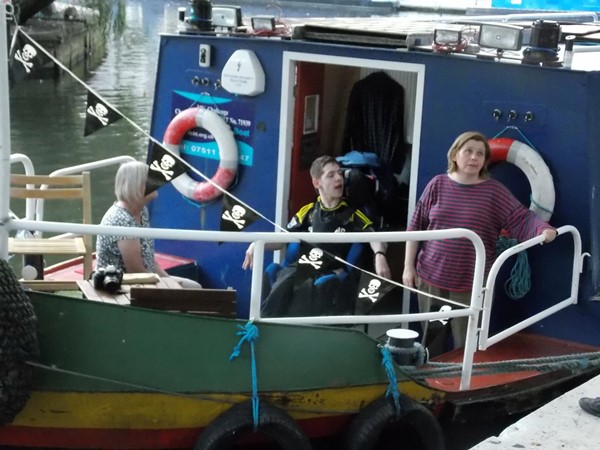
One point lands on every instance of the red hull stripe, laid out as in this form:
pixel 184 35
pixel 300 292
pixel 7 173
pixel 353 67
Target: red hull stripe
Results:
pixel 20 436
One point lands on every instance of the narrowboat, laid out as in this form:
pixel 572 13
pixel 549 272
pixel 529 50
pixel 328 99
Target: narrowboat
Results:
pixel 245 108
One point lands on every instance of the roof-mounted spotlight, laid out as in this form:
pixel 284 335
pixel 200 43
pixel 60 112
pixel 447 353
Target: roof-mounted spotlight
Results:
pixel 452 38
pixel 447 35
pixel 501 36
pixel 226 17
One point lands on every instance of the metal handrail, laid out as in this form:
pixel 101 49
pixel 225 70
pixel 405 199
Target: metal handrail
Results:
pixel 29 170
pixel 472 311
pixel 481 299
pixel 484 339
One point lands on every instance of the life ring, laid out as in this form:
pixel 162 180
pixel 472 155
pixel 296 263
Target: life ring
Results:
pixel 272 421
pixel 18 345
pixel 417 425
pixel 198 117
pixel 533 166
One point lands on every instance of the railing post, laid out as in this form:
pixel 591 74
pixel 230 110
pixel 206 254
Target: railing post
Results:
pixel 4 133
pixel 257 277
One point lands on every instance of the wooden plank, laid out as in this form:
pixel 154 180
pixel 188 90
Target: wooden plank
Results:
pixel 51 193
pixel 140 278
pixel 75 246
pixel 65 180
pixel 50 285
pixel 91 293
pixel 218 302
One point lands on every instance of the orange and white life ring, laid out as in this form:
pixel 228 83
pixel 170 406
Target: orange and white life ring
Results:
pixel 533 166
pixel 198 117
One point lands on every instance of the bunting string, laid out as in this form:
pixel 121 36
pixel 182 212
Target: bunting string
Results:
pixel 106 113
pixel 141 130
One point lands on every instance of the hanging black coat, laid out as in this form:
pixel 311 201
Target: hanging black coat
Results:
pixel 375 119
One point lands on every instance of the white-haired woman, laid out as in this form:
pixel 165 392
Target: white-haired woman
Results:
pixel 127 253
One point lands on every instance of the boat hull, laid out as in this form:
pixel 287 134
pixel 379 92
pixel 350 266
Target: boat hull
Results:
pixel 116 377
pixel 123 377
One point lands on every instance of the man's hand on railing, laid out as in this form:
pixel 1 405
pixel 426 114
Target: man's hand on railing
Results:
pixel 249 257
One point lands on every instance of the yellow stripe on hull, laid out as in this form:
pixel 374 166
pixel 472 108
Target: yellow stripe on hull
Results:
pixel 163 411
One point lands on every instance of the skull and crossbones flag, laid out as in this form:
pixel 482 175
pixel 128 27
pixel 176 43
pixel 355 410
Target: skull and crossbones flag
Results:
pixel 312 263
pixel 25 58
pixel 372 289
pixel 234 216
pixel 98 114
pixel 163 167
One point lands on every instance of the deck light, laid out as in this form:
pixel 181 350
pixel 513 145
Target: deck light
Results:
pixel 229 17
pixel 501 36
pixel 447 35
pixel 263 23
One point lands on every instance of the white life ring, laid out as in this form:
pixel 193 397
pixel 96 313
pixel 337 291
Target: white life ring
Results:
pixel 533 166
pixel 198 117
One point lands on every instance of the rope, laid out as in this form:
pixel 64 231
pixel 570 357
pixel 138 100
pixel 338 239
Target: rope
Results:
pixel 543 364
pixel 392 389
pixel 537 205
pixel 249 333
pixel 518 283
pixel 512 127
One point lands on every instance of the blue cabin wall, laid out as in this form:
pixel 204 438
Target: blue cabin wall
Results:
pixel 459 94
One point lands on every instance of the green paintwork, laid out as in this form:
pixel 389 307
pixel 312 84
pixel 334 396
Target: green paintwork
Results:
pixel 183 353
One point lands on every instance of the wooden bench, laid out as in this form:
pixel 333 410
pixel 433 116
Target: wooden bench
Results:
pixel 212 302
pixel 130 281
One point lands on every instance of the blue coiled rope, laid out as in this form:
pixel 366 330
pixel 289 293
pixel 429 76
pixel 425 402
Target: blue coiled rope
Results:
pixel 388 365
pixel 249 333
pixel 519 281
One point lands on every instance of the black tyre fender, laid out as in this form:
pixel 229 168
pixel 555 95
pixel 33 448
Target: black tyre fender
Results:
pixel 419 426
pixel 272 421
pixel 18 345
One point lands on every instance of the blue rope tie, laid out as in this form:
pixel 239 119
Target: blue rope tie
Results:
pixel 249 333
pixel 519 281
pixel 512 127
pixel 392 389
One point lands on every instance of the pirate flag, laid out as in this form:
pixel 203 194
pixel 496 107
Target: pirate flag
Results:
pixel 371 289
pixel 164 166
pixel 25 58
pixel 234 216
pixel 98 114
pixel 312 263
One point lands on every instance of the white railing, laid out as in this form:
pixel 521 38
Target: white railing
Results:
pixel 480 306
pixel 472 311
pixel 34 208
pixel 578 257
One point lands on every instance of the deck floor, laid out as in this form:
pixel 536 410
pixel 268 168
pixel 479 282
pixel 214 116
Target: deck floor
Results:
pixel 519 346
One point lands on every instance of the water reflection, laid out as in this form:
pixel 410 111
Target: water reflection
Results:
pixel 47 116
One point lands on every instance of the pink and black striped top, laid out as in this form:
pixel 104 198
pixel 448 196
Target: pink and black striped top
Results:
pixel 486 208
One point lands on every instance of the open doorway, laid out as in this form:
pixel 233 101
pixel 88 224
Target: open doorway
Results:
pixel 314 117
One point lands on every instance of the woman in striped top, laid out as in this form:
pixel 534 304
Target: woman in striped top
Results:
pixel 465 197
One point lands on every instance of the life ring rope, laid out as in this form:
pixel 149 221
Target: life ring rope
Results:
pixel 532 164
pixel 199 117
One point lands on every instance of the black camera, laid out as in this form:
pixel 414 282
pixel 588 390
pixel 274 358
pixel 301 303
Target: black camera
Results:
pixel 107 278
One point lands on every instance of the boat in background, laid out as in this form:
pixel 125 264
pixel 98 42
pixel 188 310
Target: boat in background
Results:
pixel 267 97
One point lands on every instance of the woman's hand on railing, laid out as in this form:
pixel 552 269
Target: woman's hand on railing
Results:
pixel 549 235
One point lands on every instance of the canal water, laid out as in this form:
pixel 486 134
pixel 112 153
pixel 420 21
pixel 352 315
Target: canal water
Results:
pixel 47 116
